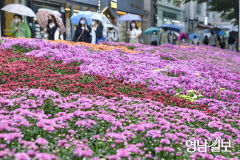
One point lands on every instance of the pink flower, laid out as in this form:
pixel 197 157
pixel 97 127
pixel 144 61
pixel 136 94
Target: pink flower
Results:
pixel 42 141
pixel 22 156
pixel 122 153
pixel 166 141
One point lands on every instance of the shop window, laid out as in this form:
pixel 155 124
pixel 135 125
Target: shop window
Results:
pixel 84 8
pixel 93 9
pixel 76 9
pixel 199 7
pixel 8 19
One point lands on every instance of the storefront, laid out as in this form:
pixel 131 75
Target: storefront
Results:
pixel 170 15
pixel 55 5
pixel 7 18
pixel 128 6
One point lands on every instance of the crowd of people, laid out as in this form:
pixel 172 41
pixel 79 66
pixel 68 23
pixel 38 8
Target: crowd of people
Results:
pixel 169 37
pixel 94 34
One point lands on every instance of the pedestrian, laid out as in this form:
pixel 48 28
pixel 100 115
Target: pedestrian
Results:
pixel 195 40
pixel 206 40
pixel 223 43
pixel 96 32
pixel 52 29
pixel 134 32
pixel 154 39
pixel 183 39
pixel 20 28
pixel 82 33
pixel 172 38
pixel 164 36
pixel 218 42
pixel 212 39
pixel 112 34
pixel 231 43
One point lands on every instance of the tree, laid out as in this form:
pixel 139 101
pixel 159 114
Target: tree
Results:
pixel 227 8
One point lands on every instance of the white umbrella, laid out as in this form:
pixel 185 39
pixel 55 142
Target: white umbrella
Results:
pixel 100 17
pixel 19 9
pixel 111 26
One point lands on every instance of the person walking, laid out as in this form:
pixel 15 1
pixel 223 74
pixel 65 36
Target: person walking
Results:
pixel 97 32
pixel 20 28
pixel 195 40
pixel 82 33
pixel 154 39
pixel 206 40
pixel 134 32
pixel 212 39
pixel 231 43
pixel 222 42
pixel 164 36
pixel 52 29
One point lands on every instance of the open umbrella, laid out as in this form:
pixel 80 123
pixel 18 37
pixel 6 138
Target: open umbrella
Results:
pixel 216 29
pixel 172 27
pixel 54 12
pixel 19 9
pixel 151 30
pixel 191 36
pixel 89 16
pixel 42 18
pixel 221 33
pixel 111 26
pixel 100 17
pixel 76 17
pixel 182 35
pixel 129 17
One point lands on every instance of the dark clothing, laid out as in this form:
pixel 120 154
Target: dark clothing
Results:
pixel 99 32
pixel 154 43
pixel 231 40
pixel 85 37
pixel 206 41
pixel 51 32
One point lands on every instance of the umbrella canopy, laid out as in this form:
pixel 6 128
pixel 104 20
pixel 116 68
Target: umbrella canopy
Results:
pixel 172 27
pixel 182 35
pixel 42 18
pixel 216 29
pixel 111 26
pixel 89 16
pixel 191 36
pixel 129 17
pixel 100 17
pixel 151 30
pixel 54 12
pixel 222 33
pixel 19 9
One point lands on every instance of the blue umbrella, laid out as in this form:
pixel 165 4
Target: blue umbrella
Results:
pixel 220 33
pixel 191 36
pixel 151 30
pixel 172 27
pixel 129 17
pixel 86 14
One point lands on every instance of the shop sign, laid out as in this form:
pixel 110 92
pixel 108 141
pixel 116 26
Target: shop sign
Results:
pixel 113 4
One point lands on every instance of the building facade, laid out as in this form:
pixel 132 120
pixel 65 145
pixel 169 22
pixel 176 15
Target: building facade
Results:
pixel 170 12
pixel 111 8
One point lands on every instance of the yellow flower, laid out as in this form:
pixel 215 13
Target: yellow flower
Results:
pixel 157 70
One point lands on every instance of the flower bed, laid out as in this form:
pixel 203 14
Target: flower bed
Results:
pixel 44 125
pixel 61 101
